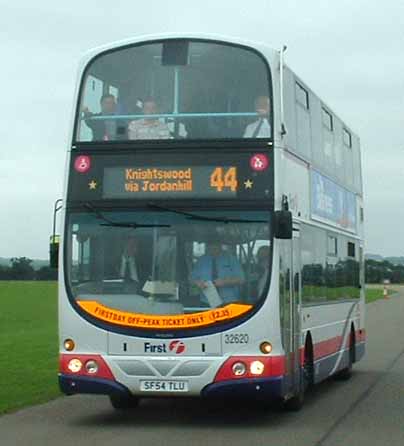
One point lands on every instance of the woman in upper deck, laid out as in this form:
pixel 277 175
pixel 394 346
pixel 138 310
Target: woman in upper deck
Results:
pixel 148 127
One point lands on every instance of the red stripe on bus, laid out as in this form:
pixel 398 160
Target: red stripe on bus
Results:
pixel 327 347
pixel 333 345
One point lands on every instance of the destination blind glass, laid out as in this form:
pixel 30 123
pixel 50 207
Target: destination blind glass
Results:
pixel 170 182
pixel 211 175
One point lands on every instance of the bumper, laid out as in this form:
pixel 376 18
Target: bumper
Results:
pixel 258 388
pixel 81 384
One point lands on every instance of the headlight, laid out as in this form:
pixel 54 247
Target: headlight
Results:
pixel 257 368
pixel 239 369
pixel 91 367
pixel 75 365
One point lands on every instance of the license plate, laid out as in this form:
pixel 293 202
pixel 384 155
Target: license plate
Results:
pixel 164 386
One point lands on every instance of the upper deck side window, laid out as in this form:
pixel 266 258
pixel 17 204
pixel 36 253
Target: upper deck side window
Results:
pixel 327 119
pixel 302 96
pixel 347 138
pixel 175 89
pixel 332 245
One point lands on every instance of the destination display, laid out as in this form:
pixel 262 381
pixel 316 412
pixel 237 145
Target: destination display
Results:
pixel 197 175
pixel 170 182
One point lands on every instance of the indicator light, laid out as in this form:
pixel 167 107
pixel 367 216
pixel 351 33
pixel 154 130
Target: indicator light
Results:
pixel 69 345
pixel 266 348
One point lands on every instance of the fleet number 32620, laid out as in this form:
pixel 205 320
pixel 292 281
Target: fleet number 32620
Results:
pixel 236 338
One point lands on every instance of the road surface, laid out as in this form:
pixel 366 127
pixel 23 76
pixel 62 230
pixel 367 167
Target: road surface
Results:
pixel 368 410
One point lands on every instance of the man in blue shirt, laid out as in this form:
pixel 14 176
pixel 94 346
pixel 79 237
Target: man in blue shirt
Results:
pixel 220 268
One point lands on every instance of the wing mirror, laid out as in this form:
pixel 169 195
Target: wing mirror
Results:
pixel 54 251
pixel 54 239
pixel 283 225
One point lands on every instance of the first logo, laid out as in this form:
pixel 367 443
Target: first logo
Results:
pixel 177 347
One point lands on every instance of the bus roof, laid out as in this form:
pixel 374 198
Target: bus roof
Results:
pixel 262 47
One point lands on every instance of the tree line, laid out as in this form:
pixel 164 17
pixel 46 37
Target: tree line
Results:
pixel 376 272
pixel 21 269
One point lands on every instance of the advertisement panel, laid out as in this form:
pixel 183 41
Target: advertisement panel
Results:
pixel 331 203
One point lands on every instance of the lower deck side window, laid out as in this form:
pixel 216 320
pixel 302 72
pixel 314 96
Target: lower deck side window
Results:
pixel 330 268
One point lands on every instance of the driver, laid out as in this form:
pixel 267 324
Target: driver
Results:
pixel 129 270
pixel 220 268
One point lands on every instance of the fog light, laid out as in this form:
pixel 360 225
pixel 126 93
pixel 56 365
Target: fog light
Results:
pixel 69 345
pixel 239 369
pixel 75 365
pixel 266 348
pixel 257 368
pixel 91 367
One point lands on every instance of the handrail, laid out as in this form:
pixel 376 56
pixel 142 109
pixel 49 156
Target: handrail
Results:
pixel 170 115
pixel 282 65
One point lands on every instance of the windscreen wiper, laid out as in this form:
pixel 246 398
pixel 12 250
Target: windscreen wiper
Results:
pixel 111 223
pixel 191 216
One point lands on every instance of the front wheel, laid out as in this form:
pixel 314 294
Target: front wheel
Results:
pixel 306 381
pixel 297 401
pixel 126 402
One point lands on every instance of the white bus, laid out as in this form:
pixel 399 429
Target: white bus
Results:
pixel 213 227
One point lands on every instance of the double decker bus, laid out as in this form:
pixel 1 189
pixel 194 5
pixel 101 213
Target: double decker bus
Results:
pixel 213 227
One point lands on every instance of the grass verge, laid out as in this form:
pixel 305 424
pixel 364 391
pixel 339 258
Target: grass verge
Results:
pixel 373 294
pixel 28 344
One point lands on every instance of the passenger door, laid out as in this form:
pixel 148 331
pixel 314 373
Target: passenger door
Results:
pixel 295 307
pixel 290 299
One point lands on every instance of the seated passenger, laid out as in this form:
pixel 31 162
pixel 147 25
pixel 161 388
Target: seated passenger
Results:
pixel 148 128
pixel 261 128
pixel 221 269
pixel 105 129
pixel 181 131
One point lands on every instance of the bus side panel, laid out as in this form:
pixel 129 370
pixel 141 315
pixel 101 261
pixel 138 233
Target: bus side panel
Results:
pixel 330 329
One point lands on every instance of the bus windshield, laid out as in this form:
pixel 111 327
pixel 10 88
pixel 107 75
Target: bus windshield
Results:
pixel 165 262
pixel 175 89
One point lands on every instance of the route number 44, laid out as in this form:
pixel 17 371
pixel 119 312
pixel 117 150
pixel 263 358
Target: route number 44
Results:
pixel 221 179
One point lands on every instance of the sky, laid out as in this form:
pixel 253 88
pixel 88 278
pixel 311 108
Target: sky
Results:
pixel 349 52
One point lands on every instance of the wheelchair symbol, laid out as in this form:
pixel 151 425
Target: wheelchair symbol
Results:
pixel 82 164
pixel 259 162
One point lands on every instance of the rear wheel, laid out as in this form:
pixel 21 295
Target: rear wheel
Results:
pixel 124 402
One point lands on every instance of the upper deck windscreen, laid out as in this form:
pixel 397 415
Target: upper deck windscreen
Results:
pixel 175 89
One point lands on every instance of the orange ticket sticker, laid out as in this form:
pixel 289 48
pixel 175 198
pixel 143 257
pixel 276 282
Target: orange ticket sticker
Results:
pixel 158 322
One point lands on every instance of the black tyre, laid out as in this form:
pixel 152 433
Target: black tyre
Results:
pixel 307 379
pixel 120 402
pixel 296 402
